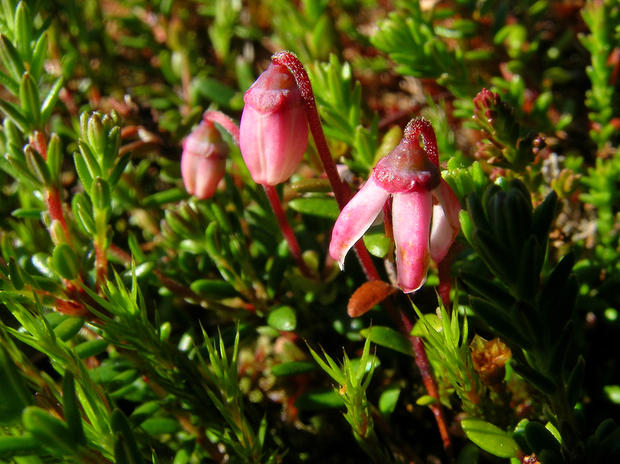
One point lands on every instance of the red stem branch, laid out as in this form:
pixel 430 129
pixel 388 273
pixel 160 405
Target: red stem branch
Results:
pixel 286 229
pixel 54 208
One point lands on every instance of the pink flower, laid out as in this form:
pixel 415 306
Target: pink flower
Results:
pixel 273 133
pixel 424 210
pixel 203 161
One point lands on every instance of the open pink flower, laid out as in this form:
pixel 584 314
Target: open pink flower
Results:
pixel 203 161
pixel 273 133
pixel 424 210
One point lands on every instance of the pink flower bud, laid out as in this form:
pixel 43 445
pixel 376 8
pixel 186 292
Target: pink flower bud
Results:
pixel 203 161
pixel 274 129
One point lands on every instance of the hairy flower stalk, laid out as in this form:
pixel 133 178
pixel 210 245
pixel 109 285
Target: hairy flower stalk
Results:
pixel 424 210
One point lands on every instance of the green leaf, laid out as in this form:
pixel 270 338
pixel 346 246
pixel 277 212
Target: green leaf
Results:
pixel 388 400
pixel 11 59
pixel 65 261
pixel 49 431
pixel 100 194
pixel 490 438
pixel 388 338
pixel 377 243
pixel 23 29
pixel 539 438
pixel 91 348
pixel 16 446
pixel 213 288
pixel 68 328
pixel 119 168
pixel 316 206
pixel 213 90
pixel 14 113
pixel 29 99
pixel 39 53
pixel 54 158
pixel 125 447
pixel 426 400
pixel 72 409
pixel 50 100
pixel 37 165
pixel 160 425
pixel 292 368
pixel 282 318
pixel 13 390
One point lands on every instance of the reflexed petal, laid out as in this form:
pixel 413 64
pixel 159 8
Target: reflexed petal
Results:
pixel 446 224
pixel 356 217
pixel 411 218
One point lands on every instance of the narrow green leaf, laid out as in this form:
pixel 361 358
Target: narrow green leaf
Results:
pixel 125 447
pixel 8 82
pixel 39 53
pixel 54 158
pixel 91 348
pixel 213 288
pixel 160 425
pixel 13 112
pixel 29 99
pixel 119 168
pixel 50 100
pixel 172 195
pixel 68 328
pixel 23 29
pixel 19 446
pixel 11 59
pixel 13 390
pixel 72 409
pixel 38 166
pixel 49 431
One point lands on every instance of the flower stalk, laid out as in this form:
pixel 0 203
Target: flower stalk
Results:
pixel 340 189
pixel 287 231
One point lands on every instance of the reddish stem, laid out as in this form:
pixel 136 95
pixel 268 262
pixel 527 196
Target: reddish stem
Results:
pixel 224 121
pixel 231 127
pixel 340 189
pixel 286 229
pixel 101 264
pixel 54 207
pixel 423 364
